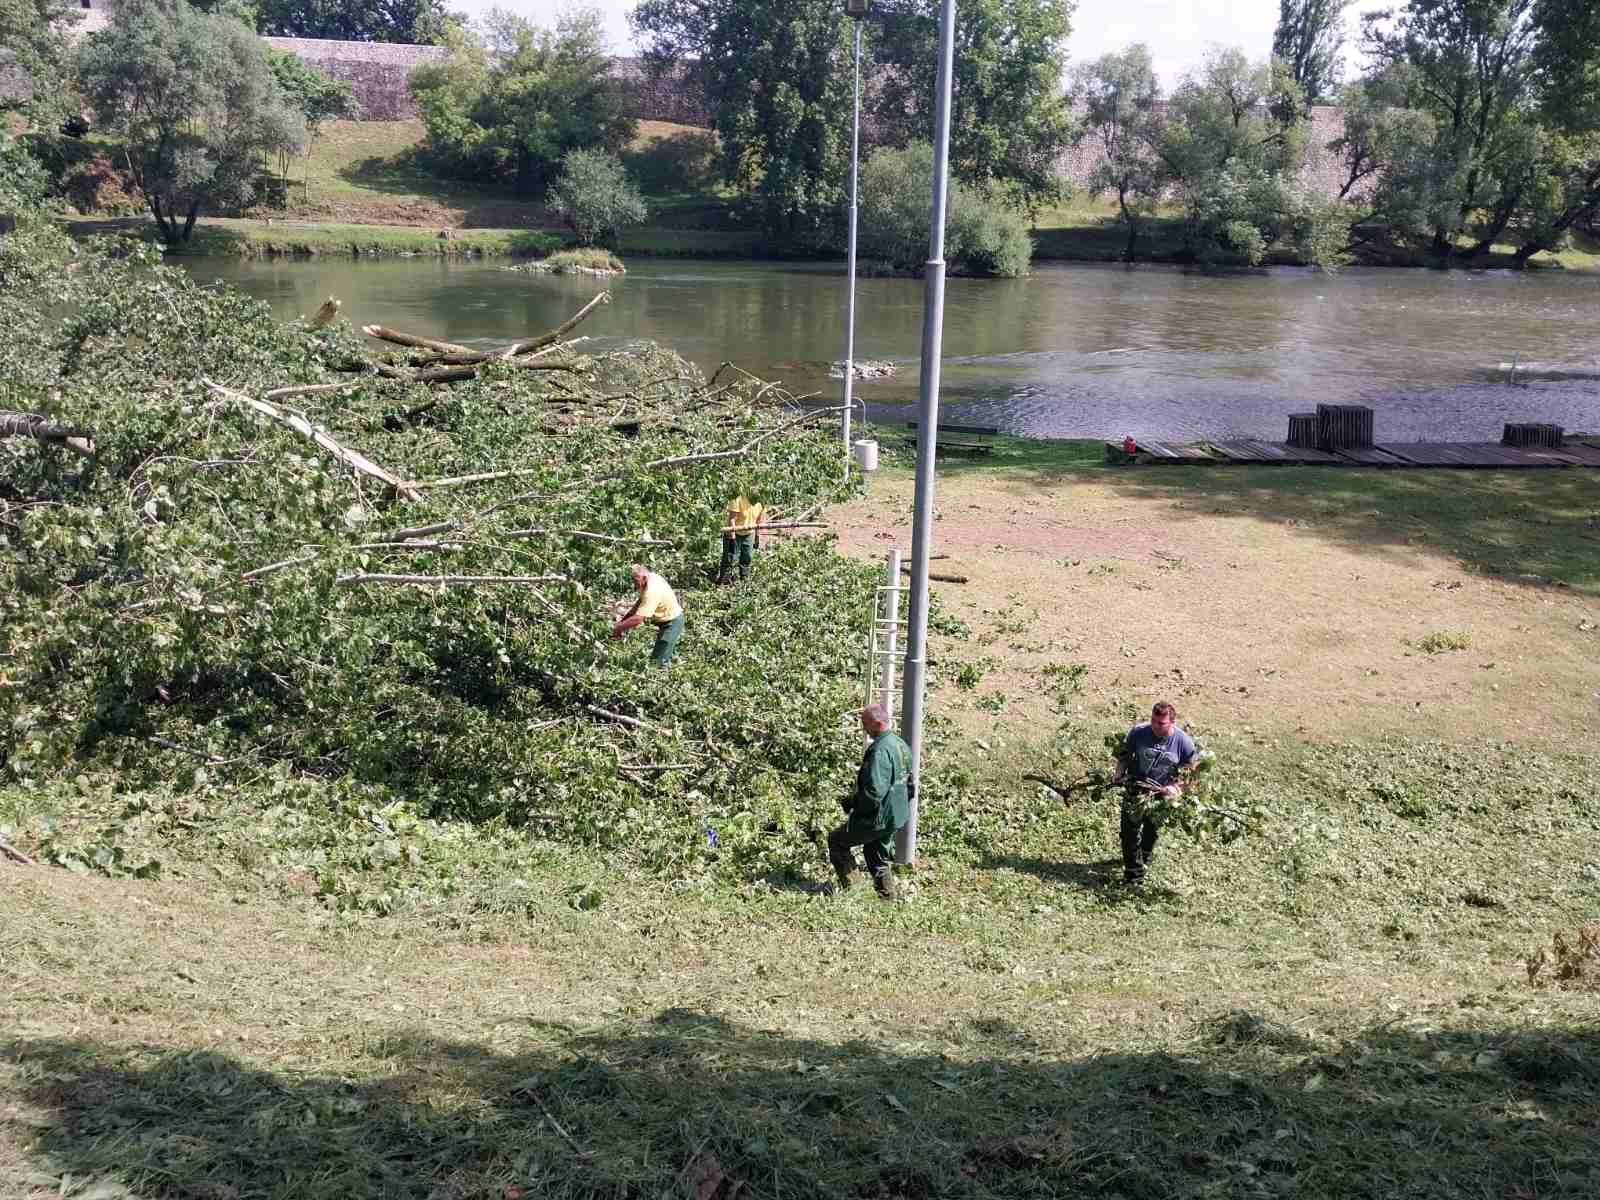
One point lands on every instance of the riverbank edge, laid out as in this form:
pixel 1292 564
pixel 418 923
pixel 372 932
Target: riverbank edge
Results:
pixel 252 239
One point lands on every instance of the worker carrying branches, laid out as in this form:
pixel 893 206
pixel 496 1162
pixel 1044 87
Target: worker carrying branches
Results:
pixel 659 605
pixel 741 533
pixel 1156 756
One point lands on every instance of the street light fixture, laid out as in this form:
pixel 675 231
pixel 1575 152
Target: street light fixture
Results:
pixel 856 8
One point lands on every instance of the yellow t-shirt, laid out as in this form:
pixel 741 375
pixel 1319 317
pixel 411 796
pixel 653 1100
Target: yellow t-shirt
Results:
pixel 743 514
pixel 658 604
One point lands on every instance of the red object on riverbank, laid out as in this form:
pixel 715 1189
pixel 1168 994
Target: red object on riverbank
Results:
pixel 1129 446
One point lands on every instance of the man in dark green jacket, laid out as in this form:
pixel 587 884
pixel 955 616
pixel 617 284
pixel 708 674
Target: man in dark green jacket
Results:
pixel 877 808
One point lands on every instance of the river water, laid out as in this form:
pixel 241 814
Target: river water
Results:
pixel 1074 350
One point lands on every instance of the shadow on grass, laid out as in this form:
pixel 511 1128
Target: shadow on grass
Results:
pixel 1534 526
pixel 692 1105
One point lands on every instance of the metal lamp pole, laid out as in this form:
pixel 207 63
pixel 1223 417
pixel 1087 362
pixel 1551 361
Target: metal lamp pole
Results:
pixel 856 9
pixel 927 431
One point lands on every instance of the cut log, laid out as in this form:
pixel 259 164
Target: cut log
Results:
pixel 400 338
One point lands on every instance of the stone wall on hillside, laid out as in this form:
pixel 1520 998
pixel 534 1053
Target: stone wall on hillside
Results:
pixel 378 72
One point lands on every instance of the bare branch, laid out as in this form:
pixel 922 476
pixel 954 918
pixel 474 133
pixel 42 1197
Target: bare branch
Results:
pixel 410 339
pixel 358 578
pixel 272 568
pixel 301 424
pixel 11 852
pixel 463 480
pixel 634 722
pixel 683 460
pixel 584 535
pixel 310 389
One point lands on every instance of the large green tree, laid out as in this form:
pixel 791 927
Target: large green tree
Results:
pixel 510 110
pixel 1235 166
pixel 1467 64
pixel 777 75
pixel 1309 40
pixel 1009 120
pixel 1120 94
pixel 192 97
pixel 424 21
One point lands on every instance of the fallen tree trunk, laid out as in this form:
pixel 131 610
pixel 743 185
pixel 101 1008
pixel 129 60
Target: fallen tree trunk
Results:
pixel 301 424
pixel 466 355
pixel 11 852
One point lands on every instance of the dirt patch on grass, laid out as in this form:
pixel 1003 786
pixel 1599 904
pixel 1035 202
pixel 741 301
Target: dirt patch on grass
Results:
pixel 1247 619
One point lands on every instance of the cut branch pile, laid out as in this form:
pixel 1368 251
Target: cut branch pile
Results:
pixel 282 564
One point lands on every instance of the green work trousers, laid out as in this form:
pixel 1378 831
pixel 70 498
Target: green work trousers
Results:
pixel 877 847
pixel 666 641
pixel 741 545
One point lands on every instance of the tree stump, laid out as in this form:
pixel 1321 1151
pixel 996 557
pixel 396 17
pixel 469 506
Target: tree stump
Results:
pixel 1303 430
pixel 1344 427
pixel 1532 434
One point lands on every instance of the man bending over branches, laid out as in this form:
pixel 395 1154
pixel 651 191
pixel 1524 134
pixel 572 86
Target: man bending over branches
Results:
pixel 1156 756
pixel 659 605
pixel 878 807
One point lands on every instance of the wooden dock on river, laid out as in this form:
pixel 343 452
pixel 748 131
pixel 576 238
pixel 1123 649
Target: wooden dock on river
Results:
pixel 1341 436
pixel 1480 455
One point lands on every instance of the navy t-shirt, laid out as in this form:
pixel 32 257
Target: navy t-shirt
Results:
pixel 1158 759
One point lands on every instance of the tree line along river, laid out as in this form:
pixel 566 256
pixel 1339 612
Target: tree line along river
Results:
pixel 1072 350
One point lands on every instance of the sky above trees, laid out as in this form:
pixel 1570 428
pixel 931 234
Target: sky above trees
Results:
pixel 1177 31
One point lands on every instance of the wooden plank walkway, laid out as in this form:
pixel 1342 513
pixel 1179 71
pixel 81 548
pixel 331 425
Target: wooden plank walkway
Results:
pixel 1251 450
pixel 1458 455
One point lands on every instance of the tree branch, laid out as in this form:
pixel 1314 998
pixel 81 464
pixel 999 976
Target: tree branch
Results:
pixel 357 578
pixel 298 421
pixel 683 460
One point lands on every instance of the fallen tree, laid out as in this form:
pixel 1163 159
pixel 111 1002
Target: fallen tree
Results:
pixel 415 628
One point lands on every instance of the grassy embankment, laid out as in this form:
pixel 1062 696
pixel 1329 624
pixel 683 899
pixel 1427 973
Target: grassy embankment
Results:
pixel 1401 661
pixel 360 193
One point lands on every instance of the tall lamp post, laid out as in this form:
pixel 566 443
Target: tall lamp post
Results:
pixel 927 431
pixel 857 10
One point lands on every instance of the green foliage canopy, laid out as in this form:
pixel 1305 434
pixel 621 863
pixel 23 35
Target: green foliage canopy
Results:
pixel 595 197
pixel 415 21
pixel 512 115
pixel 777 74
pixel 1119 93
pixel 1009 120
pixel 195 102
pixel 982 236
pixel 1309 41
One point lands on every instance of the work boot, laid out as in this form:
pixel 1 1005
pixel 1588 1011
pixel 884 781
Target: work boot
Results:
pixel 1133 876
pixel 883 881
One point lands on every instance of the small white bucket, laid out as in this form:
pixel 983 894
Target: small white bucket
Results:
pixel 866 454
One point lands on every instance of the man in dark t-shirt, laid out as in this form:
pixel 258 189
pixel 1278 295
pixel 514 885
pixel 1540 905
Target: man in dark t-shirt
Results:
pixel 1154 759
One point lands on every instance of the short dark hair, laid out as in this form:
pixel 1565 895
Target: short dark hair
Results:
pixel 1164 708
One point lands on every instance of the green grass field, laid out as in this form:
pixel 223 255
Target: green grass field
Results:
pixel 1337 1006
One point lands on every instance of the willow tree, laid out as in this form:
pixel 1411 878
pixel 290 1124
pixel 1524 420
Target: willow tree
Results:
pixel 193 99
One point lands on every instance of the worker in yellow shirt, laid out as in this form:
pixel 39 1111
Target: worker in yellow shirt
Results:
pixel 658 605
pixel 741 533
